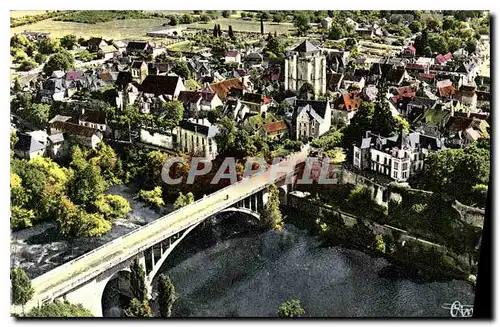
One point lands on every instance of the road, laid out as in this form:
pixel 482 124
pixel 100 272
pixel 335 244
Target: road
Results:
pixel 64 278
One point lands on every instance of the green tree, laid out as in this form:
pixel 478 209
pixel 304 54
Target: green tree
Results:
pixel 166 295
pixel 226 13
pixel 415 26
pixel 438 43
pixel 301 22
pixel 230 32
pixel 48 46
pixel 182 70
pixel 174 20
pixel 379 243
pixel 336 32
pixel 137 309
pixel 40 58
pixel 27 64
pixel 183 200
pixel 173 112
pixel 214 115
pixel 38 114
pixel 86 184
pixel 152 197
pixel 448 23
pixel 278 17
pixel 74 221
pixel 69 41
pixel 21 290
pixel 383 122
pixel 291 309
pixel 271 214
pixel 359 124
pixel 138 281
pixel 61 60
pixel 275 45
pixel 242 145
pixel 112 206
pixel 59 309
pixel 225 137
pixel 186 19
pixel 21 218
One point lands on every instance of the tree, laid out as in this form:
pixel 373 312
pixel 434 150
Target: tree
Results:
pixel 226 135
pixel 152 197
pixel 226 13
pixel 214 115
pixel 59 309
pixel 86 183
pixel 21 218
pixel 138 309
pixel 137 281
pixel 112 206
pixel 433 25
pixel 38 114
pixel 275 45
pixel 26 65
pixel 359 124
pixel 301 23
pixel 174 20
pixel 438 43
pixel 230 32
pixel 74 221
pixel 61 60
pixel 21 290
pixel 40 58
pixel 166 295
pixel 173 114
pixel 422 42
pixel 336 32
pixel 448 23
pixel 471 46
pixel 261 25
pixel 291 309
pixel 271 214
pixel 69 41
pixel 415 26
pixel 182 70
pixel 383 123
pixel 186 19
pixel 278 17
pixel 48 46
pixel 242 145
pixel 183 200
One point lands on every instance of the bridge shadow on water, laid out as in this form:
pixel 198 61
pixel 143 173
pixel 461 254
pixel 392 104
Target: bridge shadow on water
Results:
pixel 216 229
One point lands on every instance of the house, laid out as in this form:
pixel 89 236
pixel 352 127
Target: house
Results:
pixel 345 107
pixel 230 86
pixel 442 59
pixel 197 136
pixel 56 145
pixel 305 70
pixel 396 76
pixel 120 46
pixel 95 119
pixel 253 59
pixel 160 68
pixel 326 23
pixel 334 81
pixel 255 102
pixel 86 136
pixel 460 132
pixel 95 44
pixel 195 101
pixel 445 89
pixel 232 57
pixel 352 81
pixel 398 156
pixel 53 89
pixel 467 96
pixel 276 130
pixel 336 60
pixel 311 119
pixel 28 146
pixel 425 62
pixel 108 52
pixel 370 93
pixel 235 110
pixel 139 70
pixel 409 51
pixel 169 86
pixel 139 47
pixel 416 107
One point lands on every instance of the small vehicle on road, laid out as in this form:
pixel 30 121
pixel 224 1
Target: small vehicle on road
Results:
pixel 227 196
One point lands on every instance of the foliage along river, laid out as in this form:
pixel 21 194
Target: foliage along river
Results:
pixel 233 270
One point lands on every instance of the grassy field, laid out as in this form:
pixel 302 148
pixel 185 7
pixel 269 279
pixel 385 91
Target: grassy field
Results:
pixel 246 26
pixel 119 29
pixel 22 13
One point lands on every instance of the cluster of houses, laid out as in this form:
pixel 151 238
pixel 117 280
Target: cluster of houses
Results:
pixel 443 98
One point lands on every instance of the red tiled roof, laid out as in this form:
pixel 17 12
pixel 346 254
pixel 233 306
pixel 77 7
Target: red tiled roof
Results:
pixel 440 59
pixel 274 127
pixel 446 91
pixel 350 102
pixel 222 88
pixel 428 76
pixel 412 49
pixel 406 91
pixel 448 56
pixel 231 53
pixel 414 66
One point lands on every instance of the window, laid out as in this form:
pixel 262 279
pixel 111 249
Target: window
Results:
pixel 405 165
pixel 378 158
pixel 416 156
pixel 357 154
pixel 395 175
pixel 396 166
pixel 404 174
pixel 385 160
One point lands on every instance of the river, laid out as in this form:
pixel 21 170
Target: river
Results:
pixel 222 271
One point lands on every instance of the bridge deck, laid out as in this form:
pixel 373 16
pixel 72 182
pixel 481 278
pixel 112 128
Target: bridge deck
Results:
pixel 76 272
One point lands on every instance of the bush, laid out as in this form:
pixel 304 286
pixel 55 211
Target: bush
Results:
pixel 112 206
pixel 290 309
pixel 152 197
pixel 21 218
pixel 27 64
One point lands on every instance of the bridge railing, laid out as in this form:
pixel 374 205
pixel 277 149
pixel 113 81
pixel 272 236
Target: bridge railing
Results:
pixel 150 225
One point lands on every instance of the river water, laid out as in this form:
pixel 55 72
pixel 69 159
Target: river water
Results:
pixel 222 272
